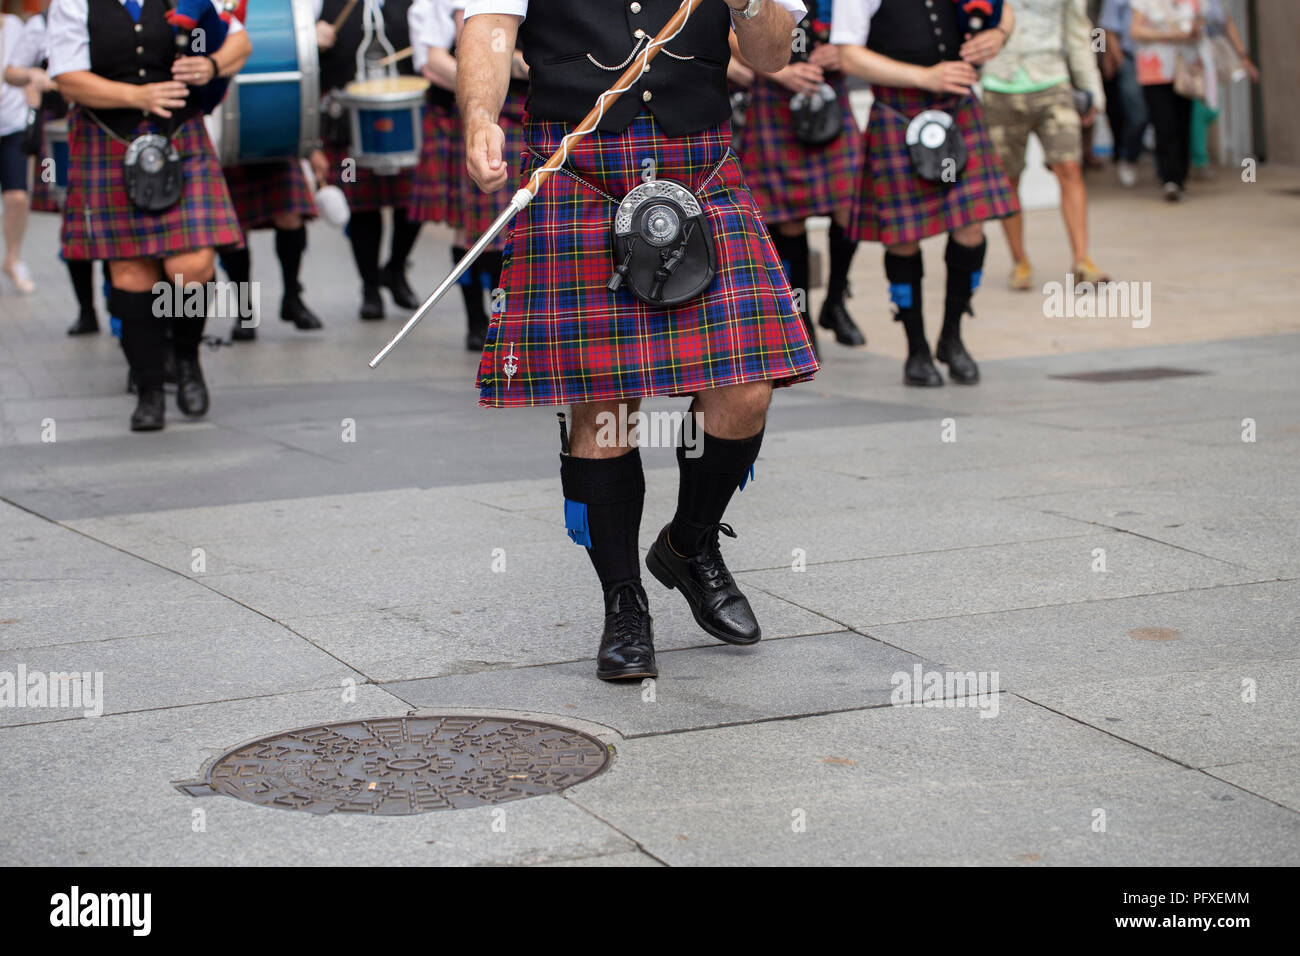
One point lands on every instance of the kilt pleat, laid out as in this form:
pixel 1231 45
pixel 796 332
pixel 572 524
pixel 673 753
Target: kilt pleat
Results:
pixel 895 205
pixel 99 221
pixel 476 210
pixel 561 336
pixel 436 184
pixel 791 180
pixel 260 191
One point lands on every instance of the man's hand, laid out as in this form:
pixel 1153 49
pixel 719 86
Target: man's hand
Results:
pixel 827 56
pixel 484 142
pixel 161 98
pixel 800 77
pixel 325 35
pixel 320 167
pixel 982 47
pixel 950 76
pixel 194 70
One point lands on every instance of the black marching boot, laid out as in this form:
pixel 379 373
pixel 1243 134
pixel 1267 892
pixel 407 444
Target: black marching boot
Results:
pixel 191 388
pixel 289 247
pixel 965 264
pixel 627 647
pixel 904 274
pixel 834 315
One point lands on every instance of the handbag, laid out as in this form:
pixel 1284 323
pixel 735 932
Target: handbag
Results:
pixel 152 172
pixel 1189 77
pixel 816 116
pixel 936 147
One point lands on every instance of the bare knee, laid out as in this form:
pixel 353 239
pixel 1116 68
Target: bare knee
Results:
pixel 794 227
pixel 904 249
pixel 971 235
pixel 196 266
pixel 735 411
pixel 288 221
pixel 134 275
pixel 602 429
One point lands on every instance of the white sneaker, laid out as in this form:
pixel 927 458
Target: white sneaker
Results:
pixel 1172 192
pixel 1128 174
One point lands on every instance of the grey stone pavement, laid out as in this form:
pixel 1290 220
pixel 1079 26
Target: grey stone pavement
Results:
pixel 1113 554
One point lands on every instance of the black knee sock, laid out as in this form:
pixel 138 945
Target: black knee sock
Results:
pixel 237 264
pixel 705 486
pixel 842 250
pixel 364 232
pixel 405 232
pixel 289 247
pixel 187 329
pixel 904 274
pixel 472 292
pixel 965 264
pixel 603 498
pixel 793 251
pixel 490 270
pixel 81 272
pixel 144 336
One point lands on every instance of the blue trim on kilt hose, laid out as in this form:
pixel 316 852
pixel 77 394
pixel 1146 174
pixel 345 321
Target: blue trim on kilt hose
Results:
pixel 900 293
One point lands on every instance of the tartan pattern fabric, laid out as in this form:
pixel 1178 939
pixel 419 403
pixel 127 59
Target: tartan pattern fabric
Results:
pixel 436 184
pixel 476 210
pixel 260 191
pixel 791 180
pixel 100 222
pixel 895 205
pixel 370 191
pixel 561 336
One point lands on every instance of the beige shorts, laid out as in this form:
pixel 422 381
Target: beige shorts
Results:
pixel 1049 114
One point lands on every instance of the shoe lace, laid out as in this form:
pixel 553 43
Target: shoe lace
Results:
pixel 713 571
pixel 629 609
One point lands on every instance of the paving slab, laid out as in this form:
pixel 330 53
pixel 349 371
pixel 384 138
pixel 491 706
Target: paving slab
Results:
pixel 1277 779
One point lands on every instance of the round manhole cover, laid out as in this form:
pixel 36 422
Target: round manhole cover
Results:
pixel 399 765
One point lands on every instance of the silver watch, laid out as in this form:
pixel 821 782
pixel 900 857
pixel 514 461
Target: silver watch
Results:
pixel 749 12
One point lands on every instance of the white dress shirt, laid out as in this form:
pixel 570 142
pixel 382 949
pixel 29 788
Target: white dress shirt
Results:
pixel 69 38
pixel 13 101
pixel 519 8
pixel 851 21
pixel 432 24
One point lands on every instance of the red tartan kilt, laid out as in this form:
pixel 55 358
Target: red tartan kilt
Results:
pixel 437 179
pixel 477 210
pixel 791 180
pixel 564 337
pixel 895 205
pixel 203 218
pixel 370 192
pixel 261 191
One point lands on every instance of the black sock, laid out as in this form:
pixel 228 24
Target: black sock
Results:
pixel 237 265
pixel 405 232
pixel 471 291
pixel 705 486
pixel 364 232
pixel 904 274
pixel 603 498
pixel 187 329
pixel 793 251
pixel 965 264
pixel 81 272
pixel 842 250
pixel 144 336
pixel 289 247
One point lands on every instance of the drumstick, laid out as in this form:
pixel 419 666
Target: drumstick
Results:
pixel 394 57
pixel 558 158
pixel 344 14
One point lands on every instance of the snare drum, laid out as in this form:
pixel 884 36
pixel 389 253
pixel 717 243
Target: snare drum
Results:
pixel 272 110
pixel 387 121
pixel 56 148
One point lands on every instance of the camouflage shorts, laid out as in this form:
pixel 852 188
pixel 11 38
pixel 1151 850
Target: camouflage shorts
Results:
pixel 1049 114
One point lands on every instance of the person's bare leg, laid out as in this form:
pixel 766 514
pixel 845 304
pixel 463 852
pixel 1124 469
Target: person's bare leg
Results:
pixel 1013 227
pixel 1074 207
pixel 16 207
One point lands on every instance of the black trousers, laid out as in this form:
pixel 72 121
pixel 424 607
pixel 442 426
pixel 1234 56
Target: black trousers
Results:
pixel 1171 115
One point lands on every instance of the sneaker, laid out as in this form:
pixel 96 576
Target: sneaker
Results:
pixel 1128 174
pixel 1172 192
pixel 1022 276
pixel 21 277
pixel 1085 270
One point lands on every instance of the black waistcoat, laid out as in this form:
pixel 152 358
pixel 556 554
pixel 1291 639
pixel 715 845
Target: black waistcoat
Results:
pixel 922 32
pixel 130 52
pixel 338 64
pixel 686 88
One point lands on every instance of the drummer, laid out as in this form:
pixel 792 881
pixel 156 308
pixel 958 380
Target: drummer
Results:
pixel 368 192
pixel 26 68
pixel 271 195
pixel 117 60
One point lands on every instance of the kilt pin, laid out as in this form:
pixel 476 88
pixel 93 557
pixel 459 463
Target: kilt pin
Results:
pixel 790 180
pixel 894 205
pixel 563 337
pixel 261 191
pixel 99 220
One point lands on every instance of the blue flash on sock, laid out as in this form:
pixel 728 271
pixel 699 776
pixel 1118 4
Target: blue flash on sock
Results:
pixel 747 478
pixel 975 278
pixel 900 293
pixel 115 326
pixel 575 522
pixel 466 279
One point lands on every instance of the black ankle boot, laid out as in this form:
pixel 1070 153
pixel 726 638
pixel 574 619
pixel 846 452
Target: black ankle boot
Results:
pixel 372 306
pixel 191 389
pixel 239 332
pixel 961 367
pixel 87 324
pixel 627 648
pixel 293 309
pixel 707 585
pixel 150 411
pixel 919 369
pixel 393 278
pixel 835 316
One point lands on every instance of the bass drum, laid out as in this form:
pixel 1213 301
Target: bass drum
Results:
pixel 272 109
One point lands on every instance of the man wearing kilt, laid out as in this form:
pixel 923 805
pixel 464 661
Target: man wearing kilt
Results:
pixel 271 195
pixel 564 337
pixel 26 68
pixel 368 192
pixel 917 59
pixel 792 179
pixel 117 61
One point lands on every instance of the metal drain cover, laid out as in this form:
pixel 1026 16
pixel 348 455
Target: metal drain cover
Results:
pixel 401 765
